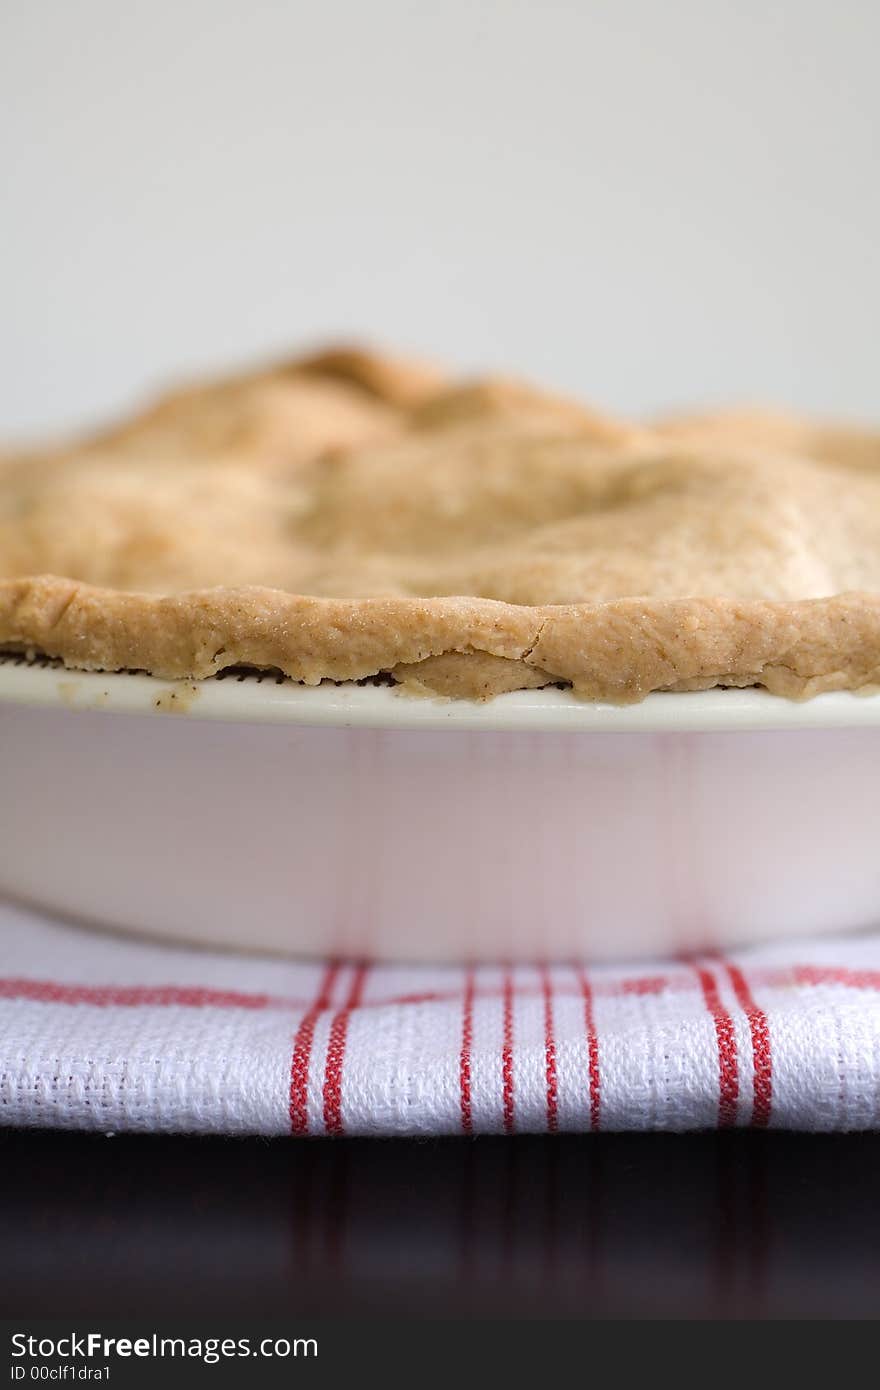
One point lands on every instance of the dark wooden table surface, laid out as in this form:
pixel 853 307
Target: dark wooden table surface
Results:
pixel 700 1226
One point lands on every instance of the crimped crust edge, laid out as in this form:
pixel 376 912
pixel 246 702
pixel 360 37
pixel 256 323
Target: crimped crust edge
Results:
pixel 619 650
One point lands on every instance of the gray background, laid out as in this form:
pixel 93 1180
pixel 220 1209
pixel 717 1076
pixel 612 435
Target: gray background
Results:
pixel 646 203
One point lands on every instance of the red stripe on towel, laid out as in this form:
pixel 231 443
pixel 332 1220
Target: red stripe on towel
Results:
pixel 507 1053
pixel 134 996
pixel 336 1053
pixel 549 1052
pixel 206 997
pixel 302 1051
pixel 728 1064
pixel 836 975
pixel 592 1048
pixel 761 1053
pixel 467 1038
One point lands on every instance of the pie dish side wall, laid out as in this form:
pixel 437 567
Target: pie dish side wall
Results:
pixel 439 843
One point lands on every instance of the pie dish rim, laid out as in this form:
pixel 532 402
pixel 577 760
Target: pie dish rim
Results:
pixel 250 696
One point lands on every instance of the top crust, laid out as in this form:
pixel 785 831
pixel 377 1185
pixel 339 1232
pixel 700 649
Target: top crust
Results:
pixel 346 514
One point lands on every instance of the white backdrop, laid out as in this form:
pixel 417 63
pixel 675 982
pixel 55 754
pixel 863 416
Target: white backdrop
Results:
pixel 646 202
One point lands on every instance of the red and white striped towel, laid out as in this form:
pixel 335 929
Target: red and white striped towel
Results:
pixel 101 1032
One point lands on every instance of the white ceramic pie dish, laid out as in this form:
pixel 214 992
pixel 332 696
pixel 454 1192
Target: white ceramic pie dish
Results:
pixel 357 820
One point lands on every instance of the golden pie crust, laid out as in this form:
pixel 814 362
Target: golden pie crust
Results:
pixel 349 514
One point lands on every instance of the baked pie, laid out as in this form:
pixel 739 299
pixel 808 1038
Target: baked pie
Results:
pixel 347 514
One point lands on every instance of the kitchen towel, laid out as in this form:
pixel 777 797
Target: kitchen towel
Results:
pixel 112 1033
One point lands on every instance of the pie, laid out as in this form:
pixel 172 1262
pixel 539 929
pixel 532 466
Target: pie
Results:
pixel 349 514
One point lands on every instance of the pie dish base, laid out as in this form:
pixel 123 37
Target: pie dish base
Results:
pixel 312 833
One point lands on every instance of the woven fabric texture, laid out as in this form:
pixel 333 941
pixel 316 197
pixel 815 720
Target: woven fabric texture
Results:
pixel 103 1032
